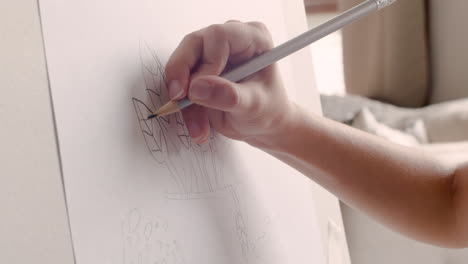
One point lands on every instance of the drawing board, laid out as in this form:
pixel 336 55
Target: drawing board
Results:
pixel 140 191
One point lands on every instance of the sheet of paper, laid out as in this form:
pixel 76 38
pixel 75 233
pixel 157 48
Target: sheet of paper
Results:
pixel 139 191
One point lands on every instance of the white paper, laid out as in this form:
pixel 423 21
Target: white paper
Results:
pixel 140 192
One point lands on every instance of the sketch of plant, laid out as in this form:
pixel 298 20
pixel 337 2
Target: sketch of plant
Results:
pixel 195 169
pixel 167 137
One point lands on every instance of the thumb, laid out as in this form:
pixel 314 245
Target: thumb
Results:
pixel 218 93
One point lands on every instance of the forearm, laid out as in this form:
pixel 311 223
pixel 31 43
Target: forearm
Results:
pixel 403 188
pixel 409 191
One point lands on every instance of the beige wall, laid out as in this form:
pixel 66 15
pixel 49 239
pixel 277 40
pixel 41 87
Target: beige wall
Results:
pixel 385 54
pixel 449 40
pixel 33 218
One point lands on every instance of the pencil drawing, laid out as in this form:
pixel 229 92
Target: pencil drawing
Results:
pixel 195 169
pixel 148 240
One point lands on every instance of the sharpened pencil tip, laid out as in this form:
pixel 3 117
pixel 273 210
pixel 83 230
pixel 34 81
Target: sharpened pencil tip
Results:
pixel 152 116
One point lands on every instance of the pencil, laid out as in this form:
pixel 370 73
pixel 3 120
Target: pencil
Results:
pixel 266 59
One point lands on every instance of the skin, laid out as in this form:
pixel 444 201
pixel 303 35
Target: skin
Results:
pixel 405 189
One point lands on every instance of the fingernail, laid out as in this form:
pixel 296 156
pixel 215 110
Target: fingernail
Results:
pixel 175 89
pixel 194 129
pixel 204 139
pixel 200 90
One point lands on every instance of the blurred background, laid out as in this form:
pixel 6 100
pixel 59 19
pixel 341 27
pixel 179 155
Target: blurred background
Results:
pixel 400 75
pixel 327 53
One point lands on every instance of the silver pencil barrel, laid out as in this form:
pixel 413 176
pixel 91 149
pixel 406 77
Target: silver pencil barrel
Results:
pixel 262 61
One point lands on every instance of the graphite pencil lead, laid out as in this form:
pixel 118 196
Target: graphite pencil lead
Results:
pixel 152 116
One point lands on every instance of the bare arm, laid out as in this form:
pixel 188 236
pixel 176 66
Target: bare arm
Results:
pixel 405 189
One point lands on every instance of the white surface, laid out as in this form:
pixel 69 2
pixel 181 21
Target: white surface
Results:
pixel 328 61
pixel 370 243
pixel 33 223
pixel 124 206
pixel 327 56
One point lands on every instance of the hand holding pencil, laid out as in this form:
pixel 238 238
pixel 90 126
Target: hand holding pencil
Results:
pixel 246 110
pixel 428 195
pixel 246 50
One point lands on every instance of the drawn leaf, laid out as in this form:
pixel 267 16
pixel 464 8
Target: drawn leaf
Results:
pixel 150 131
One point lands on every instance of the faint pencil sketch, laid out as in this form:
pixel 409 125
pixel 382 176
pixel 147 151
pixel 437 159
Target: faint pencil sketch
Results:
pixel 148 241
pixel 195 169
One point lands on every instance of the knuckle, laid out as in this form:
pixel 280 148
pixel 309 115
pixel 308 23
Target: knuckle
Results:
pixel 231 96
pixel 178 64
pixel 232 21
pixel 233 102
pixel 259 25
pixel 192 36
pixel 216 31
pixel 170 69
pixel 174 69
pixel 263 29
pixel 171 64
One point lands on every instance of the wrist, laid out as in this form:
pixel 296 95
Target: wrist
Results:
pixel 282 129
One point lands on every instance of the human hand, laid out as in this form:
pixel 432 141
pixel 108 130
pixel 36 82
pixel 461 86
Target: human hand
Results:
pixel 252 110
